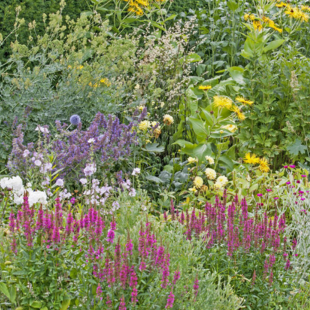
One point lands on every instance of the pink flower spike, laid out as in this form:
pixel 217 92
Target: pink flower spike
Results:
pixel 292 166
pixel 285 167
pixel 303 176
pixel 259 195
pixel 268 190
pixel 297 181
pixel 302 199
pixel 288 183
pixel 276 198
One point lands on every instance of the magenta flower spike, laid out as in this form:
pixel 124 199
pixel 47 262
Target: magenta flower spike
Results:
pixel 170 301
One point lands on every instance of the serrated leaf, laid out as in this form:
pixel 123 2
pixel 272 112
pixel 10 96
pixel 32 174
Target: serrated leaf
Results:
pixel 296 148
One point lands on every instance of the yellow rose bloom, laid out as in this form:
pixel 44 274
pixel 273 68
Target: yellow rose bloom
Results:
pixel 198 182
pixel 192 160
pixel 168 119
pixel 210 173
pixel 144 125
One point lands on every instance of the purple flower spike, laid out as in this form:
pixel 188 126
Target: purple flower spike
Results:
pixel 288 183
pixel 259 195
pixel 268 190
pixel 276 198
pixel 292 166
pixel 285 167
pixel 303 176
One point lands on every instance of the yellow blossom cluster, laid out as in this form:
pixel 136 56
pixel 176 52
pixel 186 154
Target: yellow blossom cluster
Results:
pixel 137 6
pixel 102 82
pixel 258 25
pixel 295 12
pixel 225 102
pixel 154 126
pixel 254 160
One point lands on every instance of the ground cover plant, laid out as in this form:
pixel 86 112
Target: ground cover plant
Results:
pixel 154 155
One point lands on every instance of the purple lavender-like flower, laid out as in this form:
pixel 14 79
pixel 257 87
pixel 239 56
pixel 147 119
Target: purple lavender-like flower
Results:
pixel 134 295
pixel 75 119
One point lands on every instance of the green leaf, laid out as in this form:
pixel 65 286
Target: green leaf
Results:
pixel 228 163
pixel 192 100
pixel 237 74
pixel 154 147
pixel 36 304
pixel 193 57
pixel 273 45
pixel 197 151
pixel 296 148
pixel 199 128
pixel 45 308
pixel 232 5
pixel 207 117
pixel 4 290
pixel 65 304
pixel 154 179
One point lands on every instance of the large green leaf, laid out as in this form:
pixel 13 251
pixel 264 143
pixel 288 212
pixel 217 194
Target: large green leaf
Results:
pixel 237 74
pixel 228 163
pixel 197 150
pixel 207 117
pixel 273 45
pixel 154 147
pixel 4 290
pixel 154 179
pixel 199 128
pixel 296 148
pixel 191 100
pixel 65 304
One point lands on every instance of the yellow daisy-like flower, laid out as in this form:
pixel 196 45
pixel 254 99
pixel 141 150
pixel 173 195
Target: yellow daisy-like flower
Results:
pixel 263 165
pixel 205 87
pixel 221 101
pixel 198 182
pixel 244 101
pixel 105 81
pixel 193 189
pixel 246 17
pixel 257 25
pixel 252 17
pixel 281 5
pixel 251 159
pixel 238 112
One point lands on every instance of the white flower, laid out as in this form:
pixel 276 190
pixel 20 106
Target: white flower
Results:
pixel 90 169
pixel 42 129
pixel 38 162
pixel 192 160
pixel 136 171
pixel 83 181
pixel 210 160
pixel 198 182
pixel 46 167
pixel 26 153
pixel 28 185
pixel 18 199
pixel 222 180
pixel 92 140
pixel 64 195
pixel 37 197
pixel 210 173
pixel 60 182
pixel 132 192
pixel 14 183
pixel 115 206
